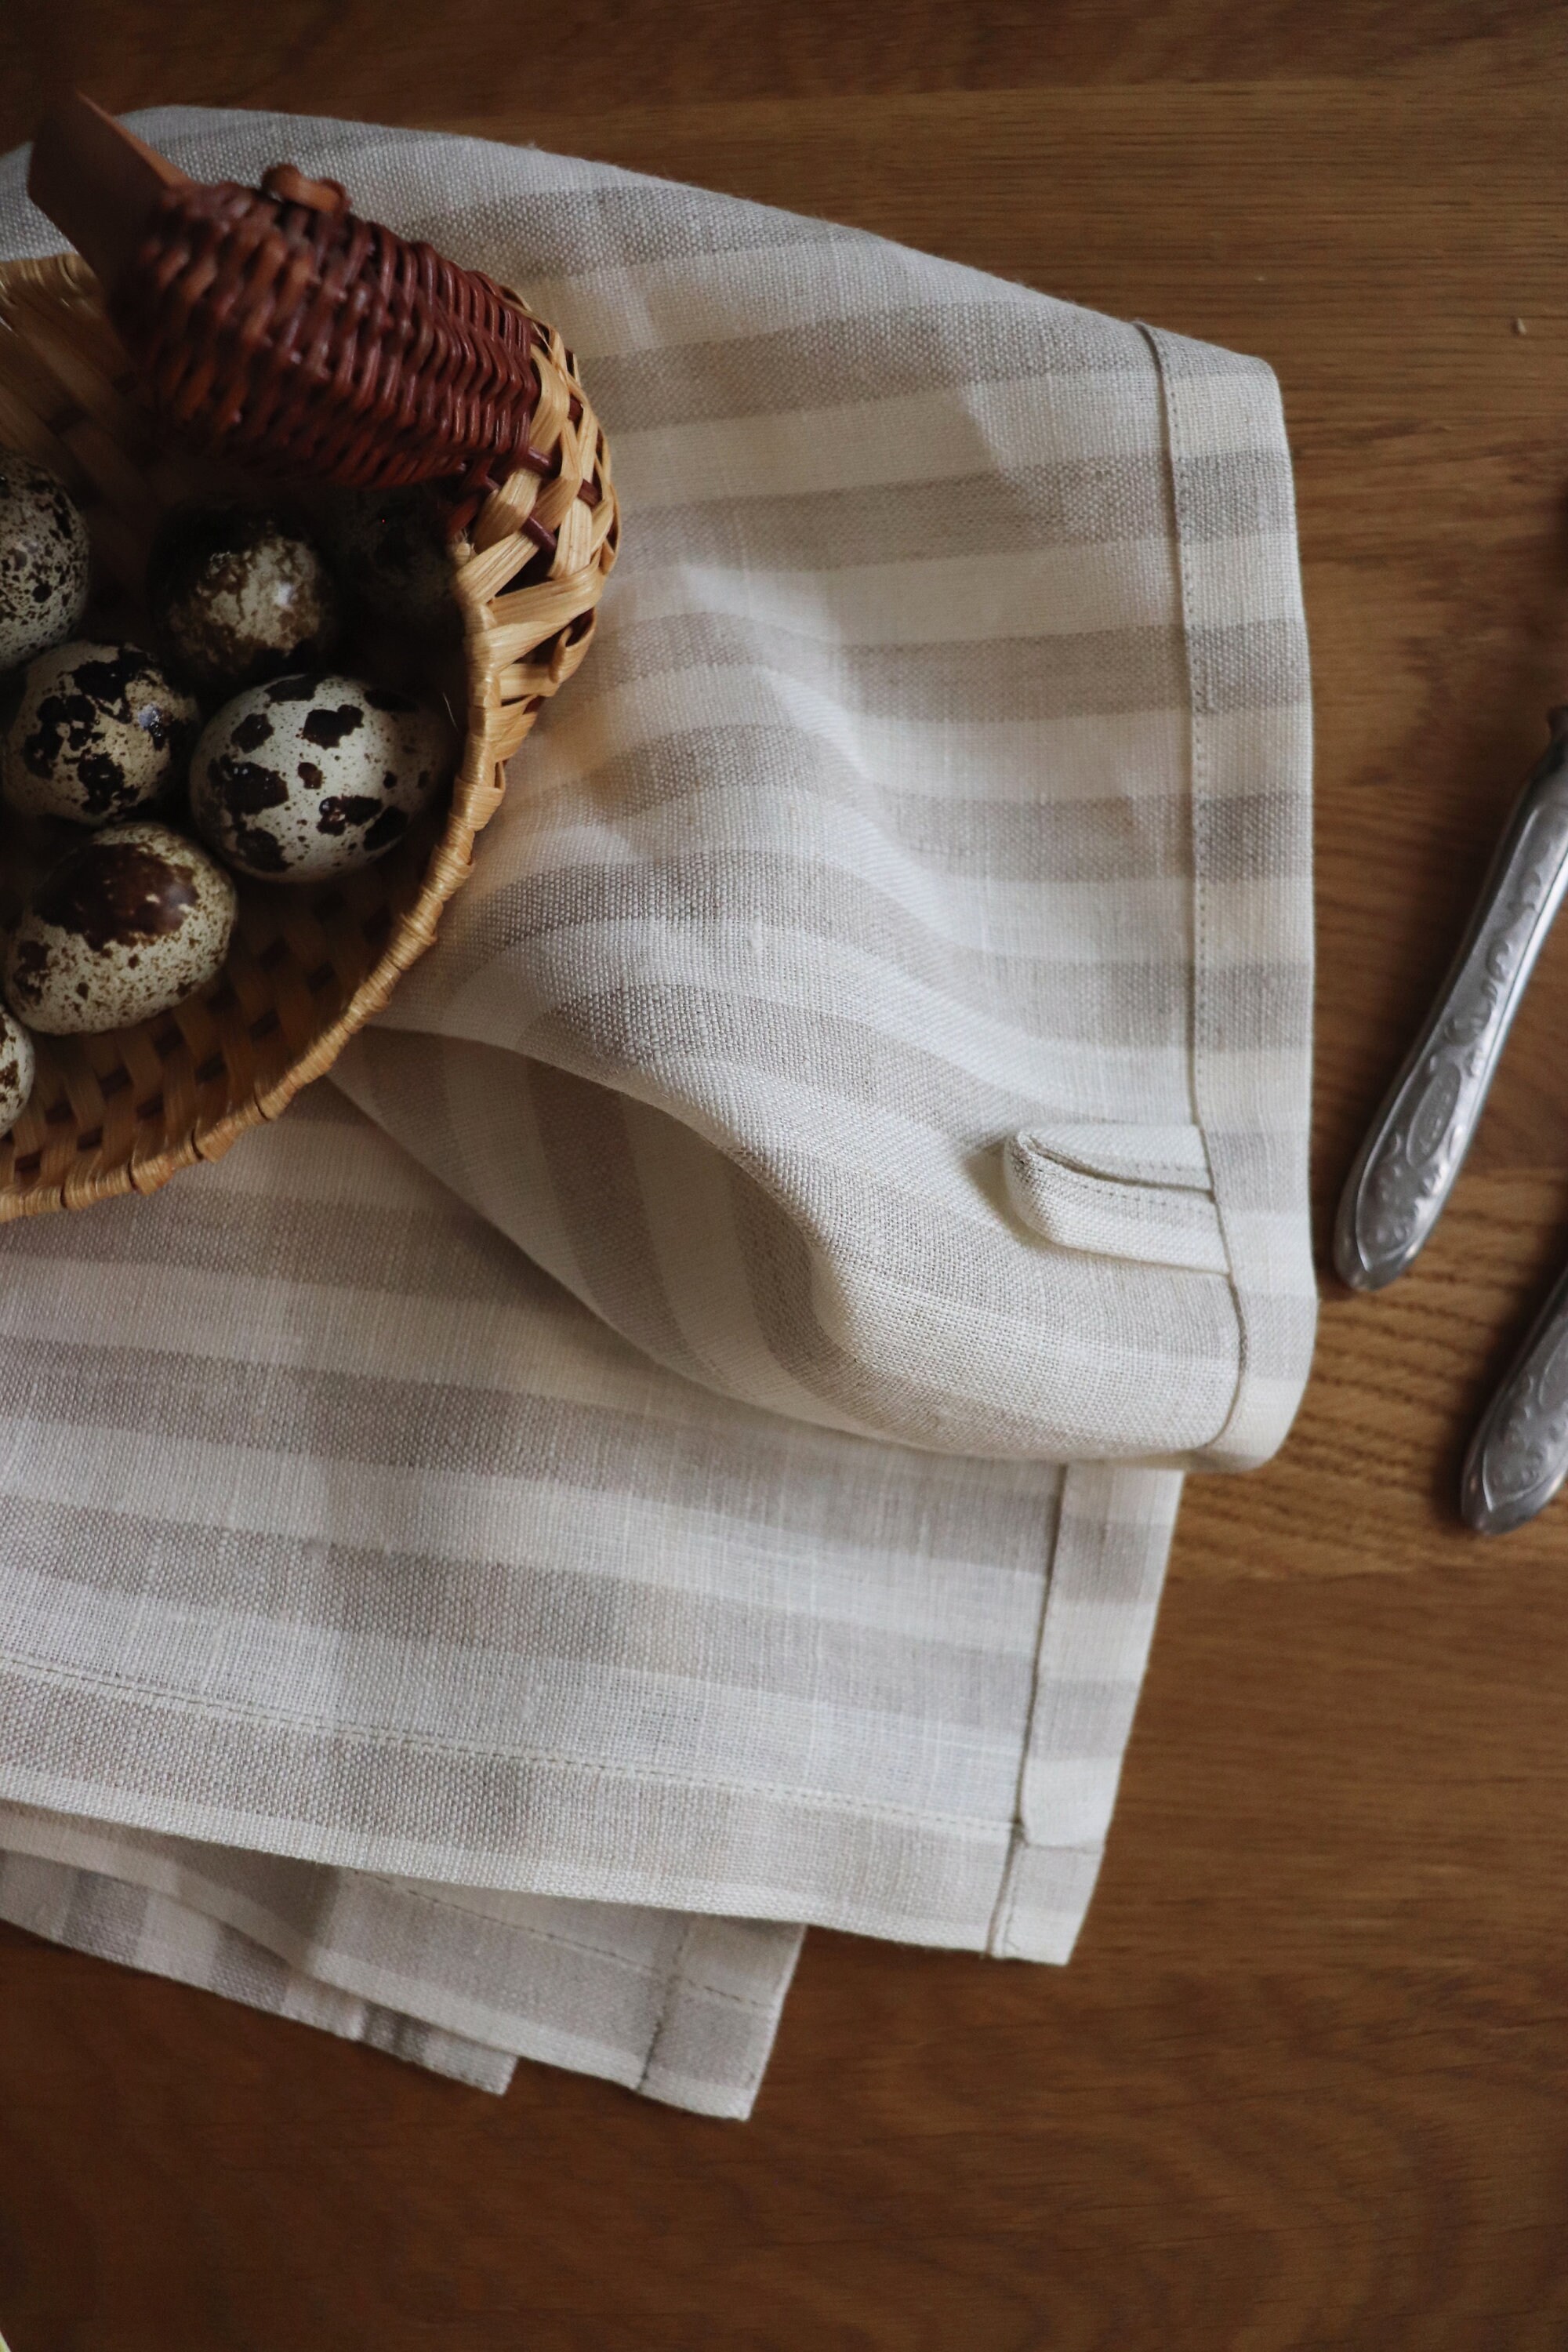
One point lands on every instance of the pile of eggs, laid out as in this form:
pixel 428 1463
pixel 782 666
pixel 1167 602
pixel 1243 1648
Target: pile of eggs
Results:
pixel 147 775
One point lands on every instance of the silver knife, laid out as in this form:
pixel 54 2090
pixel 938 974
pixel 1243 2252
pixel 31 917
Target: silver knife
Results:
pixel 1405 1171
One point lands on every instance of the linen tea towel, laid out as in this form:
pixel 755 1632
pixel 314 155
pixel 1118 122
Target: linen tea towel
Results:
pixel 881 1012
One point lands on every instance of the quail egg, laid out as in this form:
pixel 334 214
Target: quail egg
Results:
pixel 237 595
pixel 312 775
pixel 16 1070
pixel 100 733
pixel 43 559
pixel 391 548
pixel 127 925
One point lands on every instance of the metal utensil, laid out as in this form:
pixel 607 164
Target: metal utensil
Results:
pixel 1518 1455
pixel 1405 1169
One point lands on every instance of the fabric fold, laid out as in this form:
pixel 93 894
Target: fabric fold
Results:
pixel 461 1981
pixel 1162 1215
pixel 679 1440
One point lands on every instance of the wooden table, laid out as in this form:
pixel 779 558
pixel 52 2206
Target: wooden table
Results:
pixel 1306 2082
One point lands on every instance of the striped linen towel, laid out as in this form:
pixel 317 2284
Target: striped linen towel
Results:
pixel 681 1439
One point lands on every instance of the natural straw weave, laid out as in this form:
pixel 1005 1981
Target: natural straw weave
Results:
pixel 124 1111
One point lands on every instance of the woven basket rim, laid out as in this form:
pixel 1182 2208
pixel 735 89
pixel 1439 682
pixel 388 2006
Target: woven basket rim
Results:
pixel 518 648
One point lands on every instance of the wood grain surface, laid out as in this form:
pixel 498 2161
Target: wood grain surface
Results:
pixel 1306 2082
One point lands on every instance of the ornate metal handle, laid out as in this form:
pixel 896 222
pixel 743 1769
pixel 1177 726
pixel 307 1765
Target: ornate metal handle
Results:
pixel 1518 1455
pixel 1405 1169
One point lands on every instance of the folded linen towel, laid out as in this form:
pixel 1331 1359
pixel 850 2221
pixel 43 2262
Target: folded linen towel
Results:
pixel 866 1078
pixel 463 1980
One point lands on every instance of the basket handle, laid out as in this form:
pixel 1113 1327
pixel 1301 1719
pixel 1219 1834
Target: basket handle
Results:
pixel 98 183
pixel 289 185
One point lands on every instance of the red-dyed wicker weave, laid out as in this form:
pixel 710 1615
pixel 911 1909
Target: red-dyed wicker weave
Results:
pixel 274 328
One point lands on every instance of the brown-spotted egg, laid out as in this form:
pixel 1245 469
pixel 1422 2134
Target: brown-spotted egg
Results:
pixel 311 775
pixel 16 1070
pixel 128 925
pixel 43 559
pixel 100 733
pixel 238 594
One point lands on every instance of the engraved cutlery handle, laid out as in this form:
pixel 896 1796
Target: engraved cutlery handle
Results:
pixel 1405 1169
pixel 1518 1455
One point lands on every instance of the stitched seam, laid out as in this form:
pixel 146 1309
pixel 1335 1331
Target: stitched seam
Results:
pixel 720 1992
pixel 1000 1931
pixel 703 1927
pixel 1140 1175
pixel 517 1927
pixel 141 1692
pixel 666 2006
pixel 1156 1224
pixel 1201 942
pixel 565 1943
pixel 1169 1200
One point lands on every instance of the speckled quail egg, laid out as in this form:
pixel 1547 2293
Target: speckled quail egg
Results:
pixel 391 549
pixel 129 924
pixel 237 595
pixel 16 1070
pixel 311 775
pixel 100 733
pixel 43 559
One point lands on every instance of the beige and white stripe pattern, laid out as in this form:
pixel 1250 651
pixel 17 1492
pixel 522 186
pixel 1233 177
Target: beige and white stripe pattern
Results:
pixel 463 1980
pixel 867 1075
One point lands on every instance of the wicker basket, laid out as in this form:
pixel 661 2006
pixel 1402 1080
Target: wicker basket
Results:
pixel 123 1110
